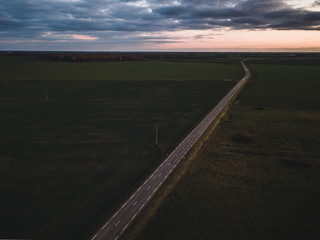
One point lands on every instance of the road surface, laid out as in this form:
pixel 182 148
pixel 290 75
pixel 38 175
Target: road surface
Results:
pixel 119 222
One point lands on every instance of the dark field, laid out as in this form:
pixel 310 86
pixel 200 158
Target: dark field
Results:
pixel 296 75
pixel 36 69
pixel 288 85
pixel 282 96
pixel 66 164
pixel 258 175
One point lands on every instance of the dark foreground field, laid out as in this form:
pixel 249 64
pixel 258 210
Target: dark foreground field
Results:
pixel 67 163
pixel 258 175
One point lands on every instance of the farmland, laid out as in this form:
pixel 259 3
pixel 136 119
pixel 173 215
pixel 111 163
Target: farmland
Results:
pixel 37 69
pixel 67 163
pixel 257 176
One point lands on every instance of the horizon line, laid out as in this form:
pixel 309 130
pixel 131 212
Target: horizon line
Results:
pixel 156 51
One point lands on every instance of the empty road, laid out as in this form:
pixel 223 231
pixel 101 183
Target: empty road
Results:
pixel 120 221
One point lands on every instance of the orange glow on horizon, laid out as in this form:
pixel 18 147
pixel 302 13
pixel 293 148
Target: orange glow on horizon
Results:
pixel 243 39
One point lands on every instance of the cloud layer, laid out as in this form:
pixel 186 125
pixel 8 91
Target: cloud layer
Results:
pixel 91 20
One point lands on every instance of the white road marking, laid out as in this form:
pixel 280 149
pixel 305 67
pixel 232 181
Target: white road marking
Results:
pixel 125 227
pixel 135 203
pixel 134 216
pixel 115 214
pixel 95 236
pixel 117 223
pixel 105 225
pixel 148 188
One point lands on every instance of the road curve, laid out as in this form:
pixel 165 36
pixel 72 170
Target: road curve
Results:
pixel 119 222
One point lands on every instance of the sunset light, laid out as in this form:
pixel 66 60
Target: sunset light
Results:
pixel 111 25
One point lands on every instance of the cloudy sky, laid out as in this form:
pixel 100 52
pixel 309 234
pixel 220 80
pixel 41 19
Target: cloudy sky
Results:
pixel 160 25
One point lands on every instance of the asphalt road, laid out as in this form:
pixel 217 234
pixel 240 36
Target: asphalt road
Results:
pixel 120 221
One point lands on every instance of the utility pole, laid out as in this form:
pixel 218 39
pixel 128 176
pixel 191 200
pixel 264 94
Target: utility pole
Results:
pixel 47 99
pixel 156 134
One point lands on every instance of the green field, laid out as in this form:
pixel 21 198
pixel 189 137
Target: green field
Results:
pixel 36 69
pixel 68 163
pixel 297 75
pixel 257 177
pixel 282 96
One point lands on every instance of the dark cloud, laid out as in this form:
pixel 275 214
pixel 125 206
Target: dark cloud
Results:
pixel 28 19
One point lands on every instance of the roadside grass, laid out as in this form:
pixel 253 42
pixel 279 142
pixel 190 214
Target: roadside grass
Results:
pixel 68 163
pixel 257 176
pixel 36 69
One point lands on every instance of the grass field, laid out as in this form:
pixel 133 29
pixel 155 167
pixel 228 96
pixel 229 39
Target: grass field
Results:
pixel 257 177
pixel 296 75
pixel 35 69
pixel 67 163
